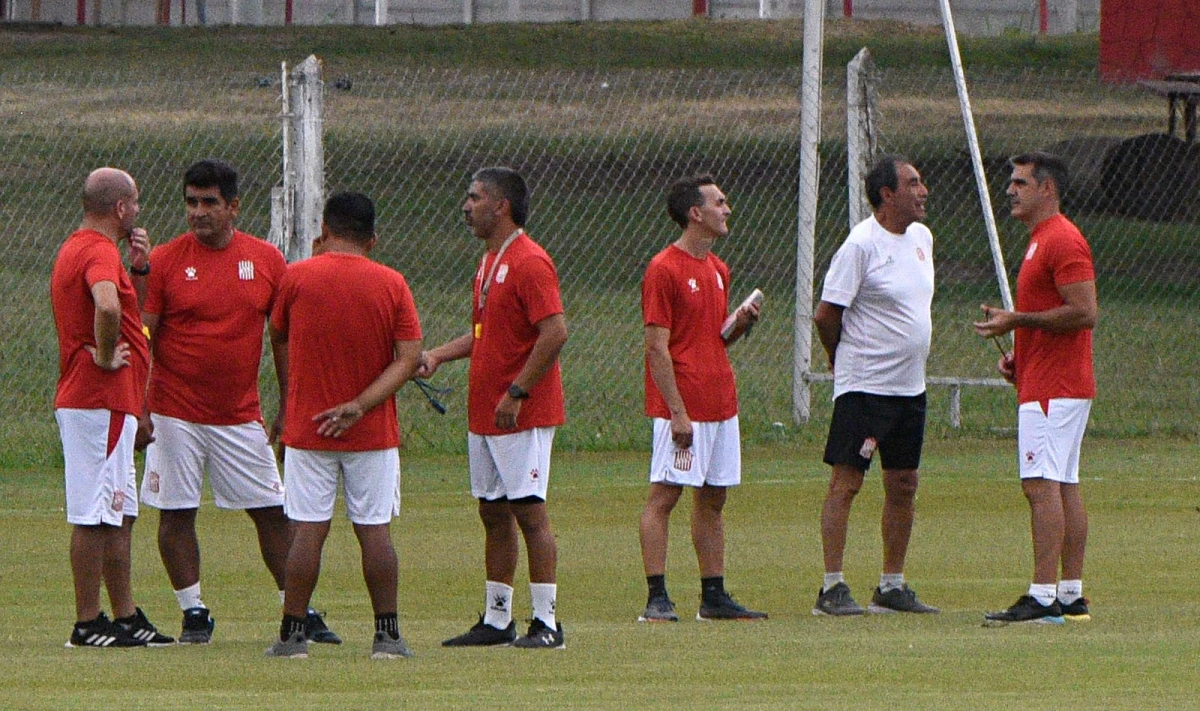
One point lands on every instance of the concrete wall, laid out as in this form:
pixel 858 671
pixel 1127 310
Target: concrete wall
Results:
pixel 978 17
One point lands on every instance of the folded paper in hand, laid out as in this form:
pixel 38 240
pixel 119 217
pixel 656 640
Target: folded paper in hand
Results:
pixel 755 297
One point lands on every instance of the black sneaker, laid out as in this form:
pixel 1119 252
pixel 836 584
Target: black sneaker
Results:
pixel 540 636
pixel 197 626
pixel 726 608
pixel 484 635
pixel 659 609
pixel 1026 609
pixel 837 602
pixel 1076 611
pixel 102 632
pixel 141 628
pixel 315 629
pixel 901 599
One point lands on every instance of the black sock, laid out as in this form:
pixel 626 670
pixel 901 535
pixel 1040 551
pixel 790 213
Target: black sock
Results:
pixel 389 624
pixel 712 589
pixel 290 626
pixel 126 620
pixel 657 585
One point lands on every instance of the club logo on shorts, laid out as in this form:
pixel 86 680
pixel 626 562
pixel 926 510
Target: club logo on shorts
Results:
pixel 683 460
pixel 920 254
pixel 533 474
pixel 118 502
pixel 1030 456
pixel 868 448
pixel 246 270
pixel 189 274
pixel 153 481
pixel 277 487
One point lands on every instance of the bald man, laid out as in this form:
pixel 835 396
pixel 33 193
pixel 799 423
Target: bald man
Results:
pixel 103 358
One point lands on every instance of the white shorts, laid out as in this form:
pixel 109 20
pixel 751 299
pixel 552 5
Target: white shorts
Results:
pixel 1049 441
pixel 715 457
pixel 370 483
pixel 240 464
pixel 98 453
pixel 513 466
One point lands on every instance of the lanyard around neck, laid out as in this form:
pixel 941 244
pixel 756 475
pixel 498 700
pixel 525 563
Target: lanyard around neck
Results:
pixel 487 283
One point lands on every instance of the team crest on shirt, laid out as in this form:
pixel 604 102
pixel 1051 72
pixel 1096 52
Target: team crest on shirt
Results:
pixel 920 254
pixel 501 273
pixel 118 502
pixel 246 270
pixel 868 448
pixel 720 282
pixel 693 285
pixel 189 274
pixel 1030 251
pixel 153 481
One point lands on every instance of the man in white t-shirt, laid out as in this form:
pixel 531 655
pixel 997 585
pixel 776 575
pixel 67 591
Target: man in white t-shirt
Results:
pixel 874 321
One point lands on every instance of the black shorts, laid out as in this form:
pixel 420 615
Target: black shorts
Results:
pixel 862 423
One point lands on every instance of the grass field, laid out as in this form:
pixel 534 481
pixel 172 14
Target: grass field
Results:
pixel 970 553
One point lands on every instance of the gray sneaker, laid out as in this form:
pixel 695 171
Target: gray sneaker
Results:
pixel 294 647
pixel 837 602
pixel 659 609
pixel 385 647
pixel 901 599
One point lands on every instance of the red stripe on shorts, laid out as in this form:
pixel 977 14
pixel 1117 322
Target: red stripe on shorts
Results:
pixel 116 425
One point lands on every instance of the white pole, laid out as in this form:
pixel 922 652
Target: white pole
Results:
pixel 860 133
pixel 810 165
pixel 981 186
pixel 381 12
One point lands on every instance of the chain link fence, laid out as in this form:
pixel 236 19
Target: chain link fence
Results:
pixel 598 149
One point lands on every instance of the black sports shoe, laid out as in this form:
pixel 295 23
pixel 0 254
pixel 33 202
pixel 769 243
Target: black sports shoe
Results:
pixel 102 632
pixel 1076 611
pixel 540 636
pixel 197 626
pixel 837 602
pixel 315 629
pixel 726 608
pixel 901 599
pixel 141 628
pixel 484 635
pixel 1026 609
pixel 659 609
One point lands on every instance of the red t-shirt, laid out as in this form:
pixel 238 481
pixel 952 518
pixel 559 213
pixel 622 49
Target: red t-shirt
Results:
pixel 689 297
pixel 524 290
pixel 342 315
pixel 86 258
pixel 211 305
pixel 1053 365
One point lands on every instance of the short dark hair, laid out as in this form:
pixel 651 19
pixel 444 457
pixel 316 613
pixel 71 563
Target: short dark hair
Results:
pixel 511 187
pixel 1045 165
pixel 684 194
pixel 883 174
pixel 213 173
pixel 350 216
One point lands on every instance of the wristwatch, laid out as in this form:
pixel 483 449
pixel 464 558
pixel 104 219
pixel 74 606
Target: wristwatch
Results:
pixel 140 272
pixel 516 393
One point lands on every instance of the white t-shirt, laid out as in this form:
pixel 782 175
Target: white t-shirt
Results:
pixel 885 283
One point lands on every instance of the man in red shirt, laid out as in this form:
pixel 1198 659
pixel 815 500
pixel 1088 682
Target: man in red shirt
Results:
pixel 514 404
pixel 207 300
pixel 102 362
pixel 1051 365
pixel 691 396
pixel 351 336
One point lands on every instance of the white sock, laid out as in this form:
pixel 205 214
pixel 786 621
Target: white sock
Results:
pixel 1044 594
pixel 498 605
pixel 890 581
pixel 1069 591
pixel 832 579
pixel 189 597
pixel 543 596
